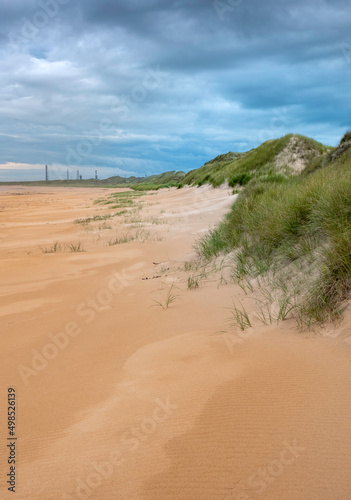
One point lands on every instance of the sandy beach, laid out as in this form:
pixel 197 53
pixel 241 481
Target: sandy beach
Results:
pixel 131 385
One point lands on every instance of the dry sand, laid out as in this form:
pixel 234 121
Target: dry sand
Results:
pixel 141 402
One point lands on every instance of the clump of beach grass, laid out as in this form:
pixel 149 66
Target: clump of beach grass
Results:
pixel 63 247
pixel 169 298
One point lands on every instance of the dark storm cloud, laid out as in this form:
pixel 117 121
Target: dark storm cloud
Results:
pixel 149 85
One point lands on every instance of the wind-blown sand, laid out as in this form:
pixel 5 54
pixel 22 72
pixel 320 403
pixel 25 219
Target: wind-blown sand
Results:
pixel 140 402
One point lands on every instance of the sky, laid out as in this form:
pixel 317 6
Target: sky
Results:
pixel 138 87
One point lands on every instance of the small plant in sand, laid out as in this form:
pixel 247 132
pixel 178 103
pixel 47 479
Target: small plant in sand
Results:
pixel 56 247
pixel 119 240
pixel 193 282
pixel 197 265
pixel 83 222
pixel 122 212
pixel 75 247
pixel 241 317
pixel 245 285
pixel 170 297
pixel 264 312
pixel 187 266
pixel 93 219
pixel 193 265
pixel 155 221
pixel 141 235
pixel 156 237
pixel 60 247
pixel 104 226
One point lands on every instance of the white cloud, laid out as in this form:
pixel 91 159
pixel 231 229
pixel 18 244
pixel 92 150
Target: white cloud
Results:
pixel 20 166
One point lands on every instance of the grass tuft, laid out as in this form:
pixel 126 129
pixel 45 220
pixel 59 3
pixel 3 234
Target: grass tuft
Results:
pixel 63 247
pixel 170 297
pixel 241 317
pixel 75 247
pixel 193 282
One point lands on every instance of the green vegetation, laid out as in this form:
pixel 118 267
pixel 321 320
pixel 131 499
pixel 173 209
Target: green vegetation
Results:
pixel 157 181
pixel 121 199
pixel 161 181
pixel 141 235
pixel 214 172
pixel 75 247
pixel 168 299
pixel 119 240
pixel 58 247
pixel 193 282
pixel 241 317
pixel 92 219
pixel 263 163
pixel 55 248
pixel 295 236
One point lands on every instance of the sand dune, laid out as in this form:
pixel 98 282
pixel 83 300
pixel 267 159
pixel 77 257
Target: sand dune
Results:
pixel 120 398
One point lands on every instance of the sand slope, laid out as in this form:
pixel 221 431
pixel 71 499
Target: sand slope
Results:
pixel 119 398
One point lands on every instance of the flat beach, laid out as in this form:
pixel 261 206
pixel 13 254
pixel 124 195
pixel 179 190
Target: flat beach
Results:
pixel 133 383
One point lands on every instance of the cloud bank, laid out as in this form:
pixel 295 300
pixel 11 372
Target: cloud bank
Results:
pixel 141 87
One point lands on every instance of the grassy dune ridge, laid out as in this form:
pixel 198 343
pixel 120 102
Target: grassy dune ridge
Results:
pixel 298 228
pixel 238 169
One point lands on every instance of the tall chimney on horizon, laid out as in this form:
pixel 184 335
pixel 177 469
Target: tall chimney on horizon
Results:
pixel 46 173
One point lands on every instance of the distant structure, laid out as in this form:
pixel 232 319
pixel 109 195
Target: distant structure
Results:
pixel 96 175
pixel 67 174
pixel 46 173
pixel 78 175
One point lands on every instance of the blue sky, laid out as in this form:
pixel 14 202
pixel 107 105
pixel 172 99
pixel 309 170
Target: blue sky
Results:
pixel 145 86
